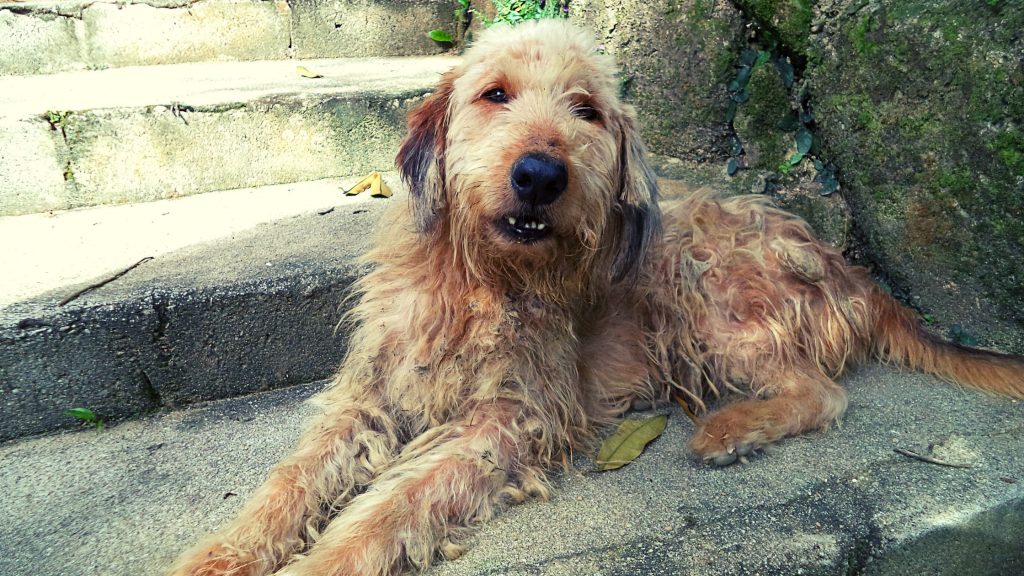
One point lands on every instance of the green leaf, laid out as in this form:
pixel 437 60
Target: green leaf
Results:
pixel 439 35
pixel 785 69
pixel 742 78
pixel 958 335
pixel 795 159
pixel 804 140
pixel 748 56
pixel 762 57
pixel 736 146
pixel 629 441
pixel 733 167
pixel 730 111
pixel 83 414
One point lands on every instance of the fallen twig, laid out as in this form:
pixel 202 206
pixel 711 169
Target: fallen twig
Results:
pixel 928 459
pixel 104 282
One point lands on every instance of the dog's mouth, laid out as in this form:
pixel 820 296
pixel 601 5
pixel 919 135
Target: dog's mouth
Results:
pixel 524 228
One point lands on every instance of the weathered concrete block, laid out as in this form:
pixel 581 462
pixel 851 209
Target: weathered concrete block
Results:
pixel 32 162
pixel 139 34
pixel 136 155
pixel 76 358
pixel 346 28
pixel 223 319
pixel 39 42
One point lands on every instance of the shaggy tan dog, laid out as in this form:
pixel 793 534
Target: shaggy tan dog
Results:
pixel 527 295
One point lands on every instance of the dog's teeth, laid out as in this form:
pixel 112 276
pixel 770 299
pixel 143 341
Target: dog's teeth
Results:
pixel 541 226
pixel 511 220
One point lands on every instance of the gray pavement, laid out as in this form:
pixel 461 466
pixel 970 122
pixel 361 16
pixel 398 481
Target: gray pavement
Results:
pixel 125 501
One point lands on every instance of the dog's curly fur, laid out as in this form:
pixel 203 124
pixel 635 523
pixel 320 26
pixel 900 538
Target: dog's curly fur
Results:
pixel 480 360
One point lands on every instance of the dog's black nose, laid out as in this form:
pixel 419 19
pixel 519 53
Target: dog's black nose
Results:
pixel 539 179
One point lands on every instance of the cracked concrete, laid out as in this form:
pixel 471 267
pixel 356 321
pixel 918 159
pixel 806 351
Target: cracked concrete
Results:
pixel 126 501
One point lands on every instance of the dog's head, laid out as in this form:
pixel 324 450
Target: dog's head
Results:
pixel 525 154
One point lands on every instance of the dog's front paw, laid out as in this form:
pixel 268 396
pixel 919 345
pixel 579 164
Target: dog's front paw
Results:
pixel 727 436
pixel 218 560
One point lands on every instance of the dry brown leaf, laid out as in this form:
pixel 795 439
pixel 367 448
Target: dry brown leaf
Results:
pixel 378 188
pixel 307 73
pixel 629 441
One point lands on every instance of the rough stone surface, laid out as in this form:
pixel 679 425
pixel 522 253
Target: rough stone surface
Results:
pixel 222 319
pixel 798 192
pixel 47 36
pixel 141 34
pixel 921 105
pixel 677 58
pixel 32 165
pixel 146 133
pixel 126 501
pixel 345 28
pixel 130 155
pixel 38 42
pixel 787 20
pixel 757 121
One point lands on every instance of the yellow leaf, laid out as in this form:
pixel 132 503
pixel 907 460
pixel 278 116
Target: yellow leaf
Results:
pixel 373 181
pixel 629 441
pixel 307 73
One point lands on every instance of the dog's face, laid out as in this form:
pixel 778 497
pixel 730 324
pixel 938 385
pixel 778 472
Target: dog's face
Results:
pixel 527 155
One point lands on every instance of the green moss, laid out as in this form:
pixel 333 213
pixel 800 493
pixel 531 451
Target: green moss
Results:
pixel 1008 146
pixel 789 20
pixel 861 36
pixel 757 120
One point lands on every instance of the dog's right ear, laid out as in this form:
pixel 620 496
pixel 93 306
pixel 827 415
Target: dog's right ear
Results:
pixel 420 157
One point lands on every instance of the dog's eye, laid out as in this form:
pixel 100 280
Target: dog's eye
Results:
pixel 584 112
pixel 496 95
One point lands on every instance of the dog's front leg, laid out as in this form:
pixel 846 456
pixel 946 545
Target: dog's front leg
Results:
pixel 340 453
pixel 446 480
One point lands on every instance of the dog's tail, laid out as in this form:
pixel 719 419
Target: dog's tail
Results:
pixel 900 338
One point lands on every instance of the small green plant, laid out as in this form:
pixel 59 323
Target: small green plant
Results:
pixel 516 11
pixel 463 12
pixel 510 12
pixel 86 416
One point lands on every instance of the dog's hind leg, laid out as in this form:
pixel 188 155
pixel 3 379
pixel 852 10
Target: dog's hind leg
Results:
pixel 338 455
pixel 449 478
pixel 800 400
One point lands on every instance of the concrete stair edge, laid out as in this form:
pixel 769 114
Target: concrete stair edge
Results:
pixel 228 317
pixel 224 130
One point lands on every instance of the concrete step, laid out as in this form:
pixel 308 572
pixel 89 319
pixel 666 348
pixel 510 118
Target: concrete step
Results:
pixel 47 36
pixel 126 501
pixel 136 134
pixel 243 294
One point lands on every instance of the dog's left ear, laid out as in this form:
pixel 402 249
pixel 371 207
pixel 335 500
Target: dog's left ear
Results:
pixel 637 200
pixel 420 158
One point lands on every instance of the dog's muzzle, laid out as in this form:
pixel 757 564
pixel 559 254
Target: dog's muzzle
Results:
pixel 539 179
